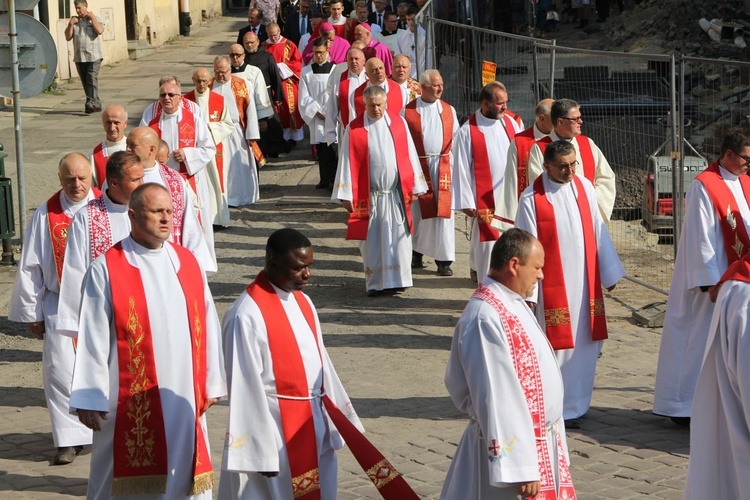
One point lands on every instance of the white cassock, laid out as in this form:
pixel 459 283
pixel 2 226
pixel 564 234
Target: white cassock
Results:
pixel 464 183
pixel 96 376
pixel 220 131
pixel 414 47
pixel 435 237
pixel 196 159
pixel 604 176
pixel 240 172
pixel 78 259
pixel 483 383
pixel 334 128
pixel 701 261
pixel 192 234
pixel 313 99
pixel 255 441
pixel 35 298
pixel 578 365
pixel 720 424
pixel 108 149
pixel 256 86
pixel 386 253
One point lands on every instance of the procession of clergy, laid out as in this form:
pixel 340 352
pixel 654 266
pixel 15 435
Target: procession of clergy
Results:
pixel 125 246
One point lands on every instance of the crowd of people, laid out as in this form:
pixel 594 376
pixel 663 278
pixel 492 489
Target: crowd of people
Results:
pixel 114 265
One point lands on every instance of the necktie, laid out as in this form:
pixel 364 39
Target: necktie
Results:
pixel 302 29
pixel 380 20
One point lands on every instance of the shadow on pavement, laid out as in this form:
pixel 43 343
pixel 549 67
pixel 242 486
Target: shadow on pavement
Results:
pixel 21 397
pixel 51 483
pixel 436 408
pixel 386 340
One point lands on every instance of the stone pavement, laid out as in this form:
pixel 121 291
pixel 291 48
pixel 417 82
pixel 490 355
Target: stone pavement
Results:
pixel 390 352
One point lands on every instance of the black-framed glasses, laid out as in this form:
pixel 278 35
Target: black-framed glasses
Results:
pixel 168 94
pixel 577 119
pixel 746 159
pixel 236 55
pixel 565 166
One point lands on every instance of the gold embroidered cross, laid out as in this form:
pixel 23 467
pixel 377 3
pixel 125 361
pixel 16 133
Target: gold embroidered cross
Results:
pixel 485 215
pixel 445 182
pixel 359 209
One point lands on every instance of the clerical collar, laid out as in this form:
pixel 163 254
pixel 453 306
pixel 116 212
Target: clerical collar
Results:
pixel 726 174
pixel 240 68
pixel 388 33
pixel 321 68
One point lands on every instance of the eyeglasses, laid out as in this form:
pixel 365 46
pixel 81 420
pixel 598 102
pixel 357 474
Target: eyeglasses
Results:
pixel 565 166
pixel 577 119
pixel 168 94
pixel 746 159
pixel 236 55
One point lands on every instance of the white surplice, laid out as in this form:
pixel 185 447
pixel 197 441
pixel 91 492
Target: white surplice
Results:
pixel 220 131
pixel 483 383
pixel 386 253
pixel 35 298
pixel 313 99
pixel 96 376
pixel 256 85
pixel 334 128
pixel 239 162
pixel 578 365
pixel 78 259
pixel 255 441
pixel 604 176
pixel 464 183
pixel 701 261
pixel 435 237
pixel 108 148
pixel 414 47
pixel 720 424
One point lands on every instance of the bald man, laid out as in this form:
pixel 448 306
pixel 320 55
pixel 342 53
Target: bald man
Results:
pixel 289 61
pixel 363 32
pixel 397 96
pixel 344 80
pixel 400 75
pixel 114 121
pixel 36 294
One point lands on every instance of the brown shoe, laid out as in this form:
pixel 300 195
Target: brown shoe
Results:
pixel 65 455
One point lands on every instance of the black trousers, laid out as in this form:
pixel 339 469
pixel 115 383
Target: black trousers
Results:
pixel 327 161
pixel 89 73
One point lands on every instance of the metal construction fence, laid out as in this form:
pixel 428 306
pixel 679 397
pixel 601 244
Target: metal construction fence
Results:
pixel 627 102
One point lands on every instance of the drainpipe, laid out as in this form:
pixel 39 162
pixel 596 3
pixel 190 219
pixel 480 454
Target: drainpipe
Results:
pixel 185 20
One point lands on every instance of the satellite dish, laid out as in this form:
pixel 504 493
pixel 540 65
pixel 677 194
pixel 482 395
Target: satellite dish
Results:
pixel 37 56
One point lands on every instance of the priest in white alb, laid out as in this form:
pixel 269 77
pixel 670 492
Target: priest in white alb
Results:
pixel 481 148
pixel 114 121
pixel 377 179
pixel 560 209
pixel 341 86
pixel 36 293
pixel 149 362
pixel 95 228
pixel 503 374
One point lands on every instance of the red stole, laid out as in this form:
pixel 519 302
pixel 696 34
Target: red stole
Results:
pixel 586 156
pixel 215 110
pixel 739 270
pixel 509 126
pixel 178 193
pixel 100 229
pixel 58 224
pixel 556 310
pixel 100 164
pixel 185 134
pixel 485 191
pixel 296 414
pixel 359 163
pixel 344 97
pixel 140 438
pixel 394 97
pixel 736 240
pixel 524 142
pixel 526 366
pixel 430 207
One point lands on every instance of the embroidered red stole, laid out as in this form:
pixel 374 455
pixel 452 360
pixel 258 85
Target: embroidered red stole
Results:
pixel 215 110
pixel 185 134
pixel 586 154
pixel 100 229
pixel 58 224
pixel 394 97
pixel 344 97
pixel 526 366
pixel 556 310
pixel 242 98
pixel 736 240
pixel 359 164
pixel 296 414
pixel 100 164
pixel 485 191
pixel 739 270
pixel 174 183
pixel 524 142
pixel 430 207
pixel 140 443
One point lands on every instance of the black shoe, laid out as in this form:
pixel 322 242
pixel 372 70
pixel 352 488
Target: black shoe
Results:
pixel 681 421
pixel 321 185
pixel 444 270
pixel 573 423
pixel 416 261
pixel 374 293
pixel 473 276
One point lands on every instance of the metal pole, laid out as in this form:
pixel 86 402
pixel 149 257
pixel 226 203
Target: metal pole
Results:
pixel 535 69
pixel 674 154
pixel 552 69
pixel 678 210
pixel 13 35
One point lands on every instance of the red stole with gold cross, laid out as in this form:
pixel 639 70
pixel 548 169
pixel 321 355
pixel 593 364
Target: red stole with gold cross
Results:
pixel 215 110
pixel 524 142
pixel 587 155
pixel 430 207
pixel 58 224
pixel 485 191
pixel 294 404
pixel 556 309
pixel 526 366
pixel 359 164
pixel 185 134
pixel 140 442
pixel 736 240
pixel 100 164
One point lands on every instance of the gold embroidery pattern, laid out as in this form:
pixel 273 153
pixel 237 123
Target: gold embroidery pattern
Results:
pixel 382 473
pixel 738 247
pixel 59 237
pixel 445 182
pixel 140 439
pixel 306 483
pixel 198 334
pixel 561 316
pixel 359 209
pixel 485 215
pixel 597 307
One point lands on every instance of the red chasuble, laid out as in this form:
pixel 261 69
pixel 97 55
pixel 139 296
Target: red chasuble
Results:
pixel 524 142
pixel 554 294
pixel 484 187
pixel 736 240
pixel 286 52
pixel 58 224
pixel 140 443
pixel 428 206
pixel 359 163
pixel 394 97
pixel 587 155
pixel 215 110
pixel 185 133
pixel 296 414
pixel 100 164
pixel 526 366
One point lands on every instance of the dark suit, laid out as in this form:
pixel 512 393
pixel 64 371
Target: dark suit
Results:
pixel 372 18
pixel 262 35
pixel 291 27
